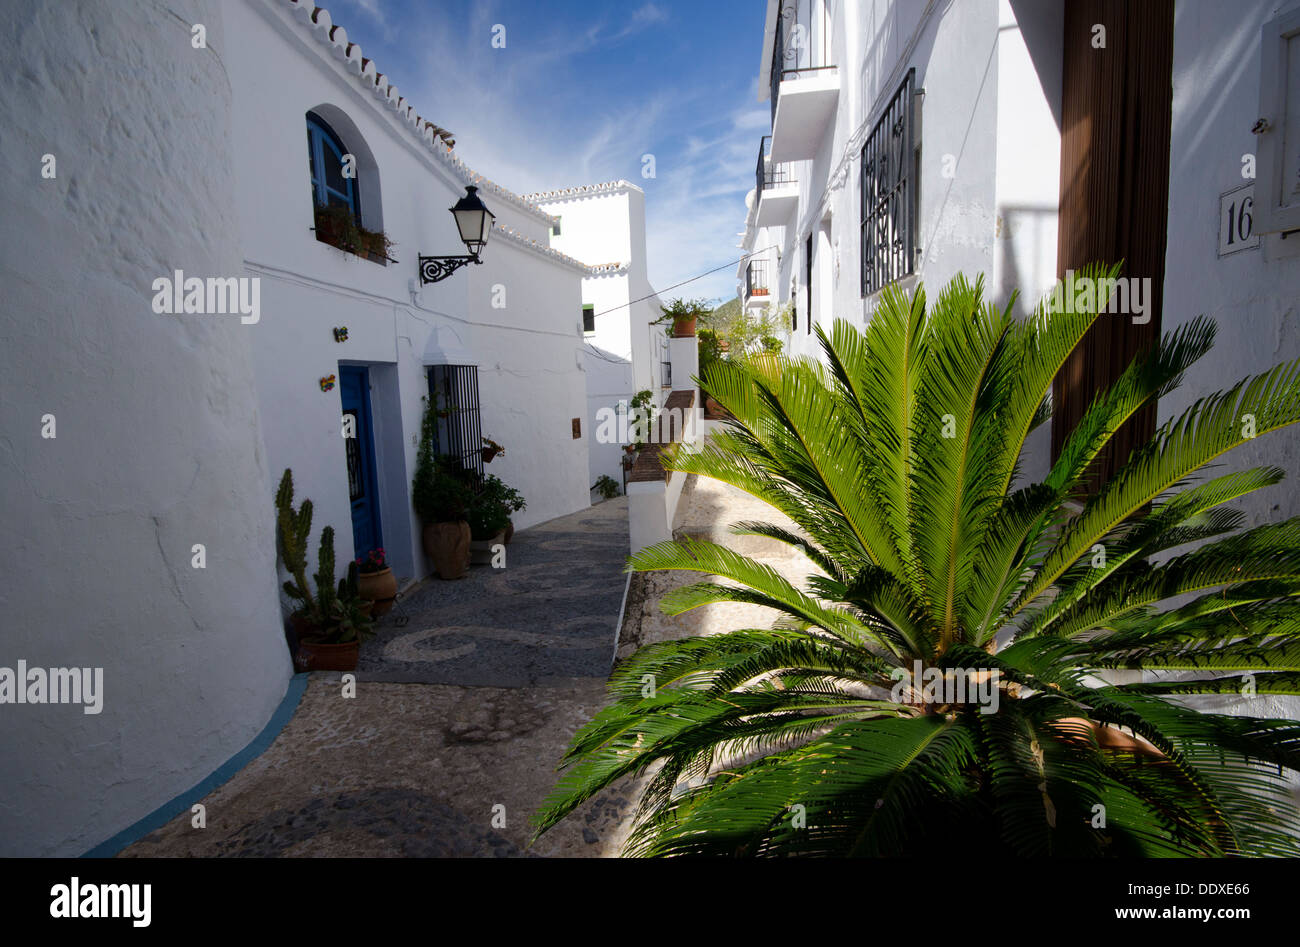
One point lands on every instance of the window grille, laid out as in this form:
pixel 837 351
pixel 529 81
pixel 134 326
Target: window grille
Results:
pixel 453 389
pixel 888 187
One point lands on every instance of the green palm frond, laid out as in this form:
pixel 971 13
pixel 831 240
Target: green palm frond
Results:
pixel 959 661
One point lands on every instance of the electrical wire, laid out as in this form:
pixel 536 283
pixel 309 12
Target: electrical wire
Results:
pixel 685 281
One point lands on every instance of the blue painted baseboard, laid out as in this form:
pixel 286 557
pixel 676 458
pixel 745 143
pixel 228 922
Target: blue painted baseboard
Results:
pixel 182 803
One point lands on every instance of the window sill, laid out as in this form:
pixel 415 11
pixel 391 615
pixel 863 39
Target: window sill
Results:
pixel 368 255
pixel 906 283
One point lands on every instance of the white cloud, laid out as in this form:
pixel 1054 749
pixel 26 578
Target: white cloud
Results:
pixel 520 120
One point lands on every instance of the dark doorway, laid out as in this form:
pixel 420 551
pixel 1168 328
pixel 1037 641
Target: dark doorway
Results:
pixel 1115 128
pixel 354 390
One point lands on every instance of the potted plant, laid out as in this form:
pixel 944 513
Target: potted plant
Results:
pixel 441 494
pixel 683 314
pixel 489 516
pixel 487 527
pixel 328 626
pixel 376 582
pixel 607 486
pixel 491 449
pixel 339 227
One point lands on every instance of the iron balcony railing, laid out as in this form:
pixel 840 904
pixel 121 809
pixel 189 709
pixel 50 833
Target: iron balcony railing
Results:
pixel 765 177
pixel 756 279
pixel 803 43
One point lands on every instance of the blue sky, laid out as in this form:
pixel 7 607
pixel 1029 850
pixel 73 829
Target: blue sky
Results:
pixel 581 91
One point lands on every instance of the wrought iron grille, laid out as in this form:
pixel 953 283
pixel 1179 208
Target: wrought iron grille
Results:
pixel 352 446
pixel 453 389
pixel 756 279
pixel 764 177
pixel 889 193
pixel 802 45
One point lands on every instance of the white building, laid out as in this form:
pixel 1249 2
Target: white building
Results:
pixel 603 225
pixel 501 341
pixel 1023 138
pixel 157 440
pixel 143 447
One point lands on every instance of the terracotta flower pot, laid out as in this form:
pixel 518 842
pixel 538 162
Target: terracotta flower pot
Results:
pixel 447 544
pixel 480 550
pixel 684 328
pixel 316 656
pixel 380 588
pixel 312 655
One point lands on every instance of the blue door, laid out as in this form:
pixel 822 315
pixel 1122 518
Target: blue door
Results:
pixel 354 388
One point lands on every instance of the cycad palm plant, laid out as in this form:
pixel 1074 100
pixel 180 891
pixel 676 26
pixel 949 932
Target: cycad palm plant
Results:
pixel 899 461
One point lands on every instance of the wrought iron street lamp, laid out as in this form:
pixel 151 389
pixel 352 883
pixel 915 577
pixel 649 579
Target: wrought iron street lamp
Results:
pixel 474 221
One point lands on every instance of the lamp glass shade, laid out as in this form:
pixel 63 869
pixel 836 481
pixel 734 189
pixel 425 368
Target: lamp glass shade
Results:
pixel 473 220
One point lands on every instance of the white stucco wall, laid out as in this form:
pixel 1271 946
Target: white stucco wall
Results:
pixel 1252 294
pixel 609 381
pixel 517 315
pixel 604 224
pixel 989 159
pixel 158 442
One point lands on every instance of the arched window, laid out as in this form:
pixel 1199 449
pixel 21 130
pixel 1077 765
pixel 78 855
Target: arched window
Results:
pixel 330 188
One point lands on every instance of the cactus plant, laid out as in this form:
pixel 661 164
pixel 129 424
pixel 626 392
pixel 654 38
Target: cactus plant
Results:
pixel 334 612
pixel 294 529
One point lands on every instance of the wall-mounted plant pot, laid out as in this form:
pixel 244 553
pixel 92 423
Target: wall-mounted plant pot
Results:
pixel 480 550
pixel 447 544
pixel 489 454
pixel 380 588
pixel 684 328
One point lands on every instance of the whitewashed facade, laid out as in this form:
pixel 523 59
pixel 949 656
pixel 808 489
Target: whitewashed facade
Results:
pixel 157 439
pixel 986 163
pixel 516 318
pixel 603 225
pixel 144 446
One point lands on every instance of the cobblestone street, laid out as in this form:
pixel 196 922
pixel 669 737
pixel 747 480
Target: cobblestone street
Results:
pixel 414 764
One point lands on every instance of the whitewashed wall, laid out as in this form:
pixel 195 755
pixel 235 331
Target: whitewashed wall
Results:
pixel 603 225
pixel 158 442
pixel 1253 295
pixel 517 316
pixel 983 122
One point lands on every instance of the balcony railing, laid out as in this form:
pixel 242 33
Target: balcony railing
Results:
pixel 756 279
pixel 765 177
pixel 803 43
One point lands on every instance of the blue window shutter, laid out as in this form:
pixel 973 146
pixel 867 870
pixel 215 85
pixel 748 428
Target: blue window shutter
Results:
pixel 326 152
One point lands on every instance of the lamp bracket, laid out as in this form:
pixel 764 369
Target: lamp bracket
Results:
pixel 434 269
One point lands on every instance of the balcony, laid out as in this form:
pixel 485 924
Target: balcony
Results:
pixel 757 293
pixel 805 84
pixel 776 189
